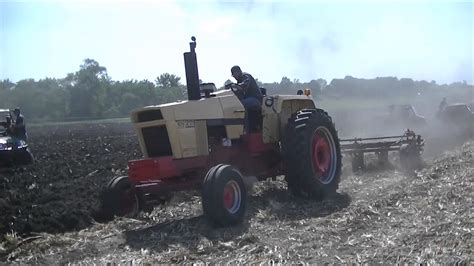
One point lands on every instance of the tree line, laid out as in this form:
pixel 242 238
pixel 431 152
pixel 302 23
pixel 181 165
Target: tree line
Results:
pixel 87 94
pixel 90 93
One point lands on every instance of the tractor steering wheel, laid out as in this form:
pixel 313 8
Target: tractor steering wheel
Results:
pixel 236 89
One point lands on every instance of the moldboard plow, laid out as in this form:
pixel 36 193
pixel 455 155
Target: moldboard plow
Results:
pixel 409 147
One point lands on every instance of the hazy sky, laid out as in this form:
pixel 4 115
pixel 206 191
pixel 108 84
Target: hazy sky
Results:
pixel 430 40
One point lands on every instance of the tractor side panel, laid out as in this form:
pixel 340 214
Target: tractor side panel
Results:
pixel 202 141
pixel 232 109
pixel 271 126
pixel 187 139
pixel 209 108
pixel 191 128
pixel 181 129
pixel 192 138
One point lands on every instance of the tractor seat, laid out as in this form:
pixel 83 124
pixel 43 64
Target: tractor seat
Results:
pixel 207 89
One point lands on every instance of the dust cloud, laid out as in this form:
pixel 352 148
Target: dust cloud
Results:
pixel 439 135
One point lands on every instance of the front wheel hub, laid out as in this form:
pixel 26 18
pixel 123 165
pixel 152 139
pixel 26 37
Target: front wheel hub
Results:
pixel 232 197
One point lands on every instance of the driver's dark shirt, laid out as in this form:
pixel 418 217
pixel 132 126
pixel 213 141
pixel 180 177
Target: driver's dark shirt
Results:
pixel 19 127
pixel 19 120
pixel 248 83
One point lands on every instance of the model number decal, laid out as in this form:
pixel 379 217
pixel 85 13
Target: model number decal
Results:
pixel 186 124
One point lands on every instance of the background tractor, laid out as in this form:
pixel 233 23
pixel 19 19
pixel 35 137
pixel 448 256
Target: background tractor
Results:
pixel 13 150
pixel 459 118
pixel 201 144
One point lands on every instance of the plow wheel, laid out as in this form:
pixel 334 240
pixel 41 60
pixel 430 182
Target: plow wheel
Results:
pixel 120 198
pixel 383 158
pixel 357 161
pixel 224 196
pixel 312 154
pixel 410 158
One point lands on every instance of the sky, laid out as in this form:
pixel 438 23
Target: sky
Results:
pixel 305 40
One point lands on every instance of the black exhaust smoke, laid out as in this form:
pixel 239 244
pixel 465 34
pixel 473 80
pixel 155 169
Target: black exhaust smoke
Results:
pixel 192 75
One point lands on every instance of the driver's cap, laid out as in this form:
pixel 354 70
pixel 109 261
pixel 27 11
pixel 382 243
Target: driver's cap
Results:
pixel 235 69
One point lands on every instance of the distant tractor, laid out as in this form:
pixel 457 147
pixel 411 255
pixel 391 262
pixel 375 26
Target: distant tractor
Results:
pixel 406 116
pixel 459 117
pixel 201 144
pixel 13 150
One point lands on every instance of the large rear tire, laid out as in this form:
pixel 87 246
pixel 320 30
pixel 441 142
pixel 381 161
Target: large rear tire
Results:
pixel 312 154
pixel 224 196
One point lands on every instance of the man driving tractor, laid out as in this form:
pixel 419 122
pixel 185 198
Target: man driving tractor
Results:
pixel 15 127
pixel 19 128
pixel 250 94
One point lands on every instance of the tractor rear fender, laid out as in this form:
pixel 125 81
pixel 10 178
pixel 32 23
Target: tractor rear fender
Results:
pixel 276 112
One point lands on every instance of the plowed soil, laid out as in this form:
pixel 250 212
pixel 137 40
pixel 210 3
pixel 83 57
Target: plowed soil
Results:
pixel 378 216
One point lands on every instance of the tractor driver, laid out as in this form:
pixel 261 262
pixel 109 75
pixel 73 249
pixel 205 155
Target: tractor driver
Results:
pixel 251 94
pixel 19 128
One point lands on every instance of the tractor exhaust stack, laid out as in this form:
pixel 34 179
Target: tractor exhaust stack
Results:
pixel 192 75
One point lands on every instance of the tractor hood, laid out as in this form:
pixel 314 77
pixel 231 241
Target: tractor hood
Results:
pixel 180 129
pixel 225 105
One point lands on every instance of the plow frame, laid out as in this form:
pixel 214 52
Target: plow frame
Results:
pixel 409 146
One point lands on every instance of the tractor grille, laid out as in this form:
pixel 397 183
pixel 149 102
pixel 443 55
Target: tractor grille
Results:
pixel 149 115
pixel 157 142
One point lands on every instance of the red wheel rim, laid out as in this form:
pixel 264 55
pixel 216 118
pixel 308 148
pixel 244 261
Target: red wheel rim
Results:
pixel 323 155
pixel 232 196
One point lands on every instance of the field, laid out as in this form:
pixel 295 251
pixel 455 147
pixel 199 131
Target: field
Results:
pixel 48 211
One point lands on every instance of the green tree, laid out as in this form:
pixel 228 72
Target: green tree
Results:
pixel 6 84
pixel 130 101
pixel 87 89
pixel 167 80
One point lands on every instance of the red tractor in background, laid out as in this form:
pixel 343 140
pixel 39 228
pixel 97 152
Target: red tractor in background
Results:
pixel 201 144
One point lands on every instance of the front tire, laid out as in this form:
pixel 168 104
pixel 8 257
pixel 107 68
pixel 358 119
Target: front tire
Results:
pixel 120 198
pixel 224 196
pixel 312 154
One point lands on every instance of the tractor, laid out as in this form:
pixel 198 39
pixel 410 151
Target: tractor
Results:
pixel 201 144
pixel 460 118
pixel 13 150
